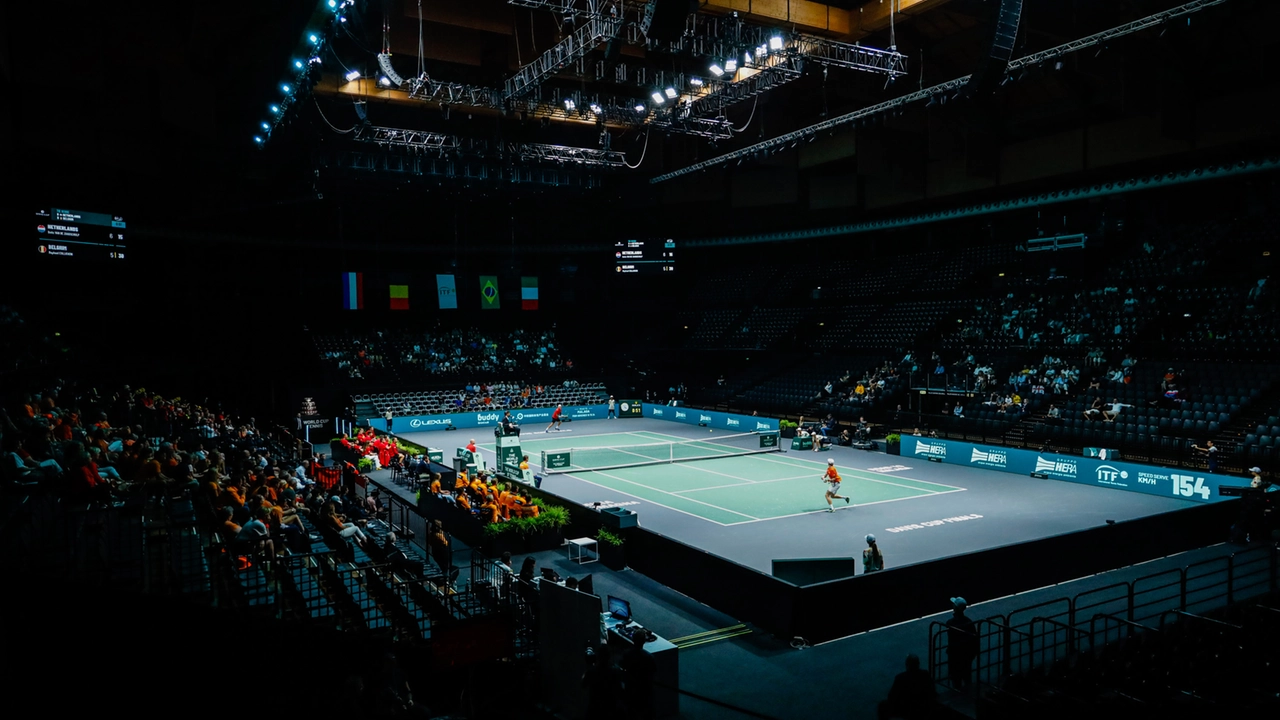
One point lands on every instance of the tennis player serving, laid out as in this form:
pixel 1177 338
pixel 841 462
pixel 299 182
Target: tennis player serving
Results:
pixel 832 478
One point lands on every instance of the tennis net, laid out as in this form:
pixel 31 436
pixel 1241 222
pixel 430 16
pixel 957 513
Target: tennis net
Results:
pixel 619 456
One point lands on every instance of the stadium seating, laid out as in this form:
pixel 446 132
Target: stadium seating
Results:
pixel 430 402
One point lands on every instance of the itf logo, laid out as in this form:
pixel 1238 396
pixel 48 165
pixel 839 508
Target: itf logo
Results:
pixel 930 450
pixel 1108 475
pixel 993 458
pixel 1063 468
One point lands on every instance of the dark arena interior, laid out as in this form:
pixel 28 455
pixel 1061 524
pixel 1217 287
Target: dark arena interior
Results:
pixel 712 359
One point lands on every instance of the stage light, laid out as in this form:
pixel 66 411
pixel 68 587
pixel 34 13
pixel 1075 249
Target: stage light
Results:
pixel 333 3
pixel 353 75
pixel 257 139
pixel 342 18
pixel 716 70
pixel 315 60
pixel 595 108
pixel 746 59
pixel 297 64
pixel 762 51
pixel 569 104
pixel 695 81
pixel 657 98
pixel 266 126
pixel 384 81
pixel 286 89
pixel 775 42
pixel 640 108
pixel 731 65
pixel 275 109
pixel 671 93
pixel 314 38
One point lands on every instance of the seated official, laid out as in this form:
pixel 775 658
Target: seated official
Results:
pixel 509 426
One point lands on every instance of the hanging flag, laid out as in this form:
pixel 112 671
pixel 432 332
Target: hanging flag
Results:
pixel 528 293
pixel 353 291
pixel 447 291
pixel 399 291
pixel 489 299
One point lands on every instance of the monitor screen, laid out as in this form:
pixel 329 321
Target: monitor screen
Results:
pixel 619 608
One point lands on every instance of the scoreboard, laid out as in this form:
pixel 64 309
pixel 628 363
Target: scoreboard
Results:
pixel 62 233
pixel 644 257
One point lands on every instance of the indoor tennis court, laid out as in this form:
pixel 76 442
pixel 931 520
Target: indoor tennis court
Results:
pixel 727 490
pixel 754 508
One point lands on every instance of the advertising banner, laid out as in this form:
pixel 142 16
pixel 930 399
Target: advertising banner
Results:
pixel 1170 482
pixel 556 460
pixel 489 418
pixel 711 418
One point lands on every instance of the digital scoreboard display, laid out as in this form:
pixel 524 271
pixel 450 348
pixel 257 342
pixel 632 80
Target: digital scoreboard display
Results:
pixel 644 257
pixel 61 233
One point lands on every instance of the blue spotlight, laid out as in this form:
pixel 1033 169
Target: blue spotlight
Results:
pixel 275 109
pixel 314 38
pixel 266 126
pixel 286 89
pixel 257 139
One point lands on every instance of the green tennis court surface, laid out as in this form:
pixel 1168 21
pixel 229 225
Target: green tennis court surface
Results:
pixel 732 490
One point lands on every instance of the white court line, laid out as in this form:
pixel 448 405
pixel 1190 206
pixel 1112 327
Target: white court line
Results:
pixel 816 464
pixel 547 439
pixel 742 484
pixel 925 491
pixel 648 500
pixel 713 472
pixel 847 507
pixel 665 492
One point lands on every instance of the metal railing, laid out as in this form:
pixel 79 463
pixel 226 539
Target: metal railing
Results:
pixel 1038 635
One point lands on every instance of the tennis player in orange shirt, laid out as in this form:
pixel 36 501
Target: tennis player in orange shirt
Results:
pixel 832 477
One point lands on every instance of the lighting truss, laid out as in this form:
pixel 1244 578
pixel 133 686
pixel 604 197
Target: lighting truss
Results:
pixel 723 38
pixel 584 8
pixel 845 55
pixel 408 138
pixel 425 88
pixel 714 129
pixel 580 42
pixel 1145 23
pixel 721 95
pixel 1088 192
pixel 940 90
pixel 442 144
pixel 565 155
pixel 451 168
pixel 614 110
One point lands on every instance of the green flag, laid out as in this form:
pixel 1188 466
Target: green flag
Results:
pixel 489 299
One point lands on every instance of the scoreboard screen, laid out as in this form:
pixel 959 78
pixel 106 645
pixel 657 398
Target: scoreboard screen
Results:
pixel 644 257
pixel 62 233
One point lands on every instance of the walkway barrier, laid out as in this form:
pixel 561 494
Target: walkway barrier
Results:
pixel 1039 635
